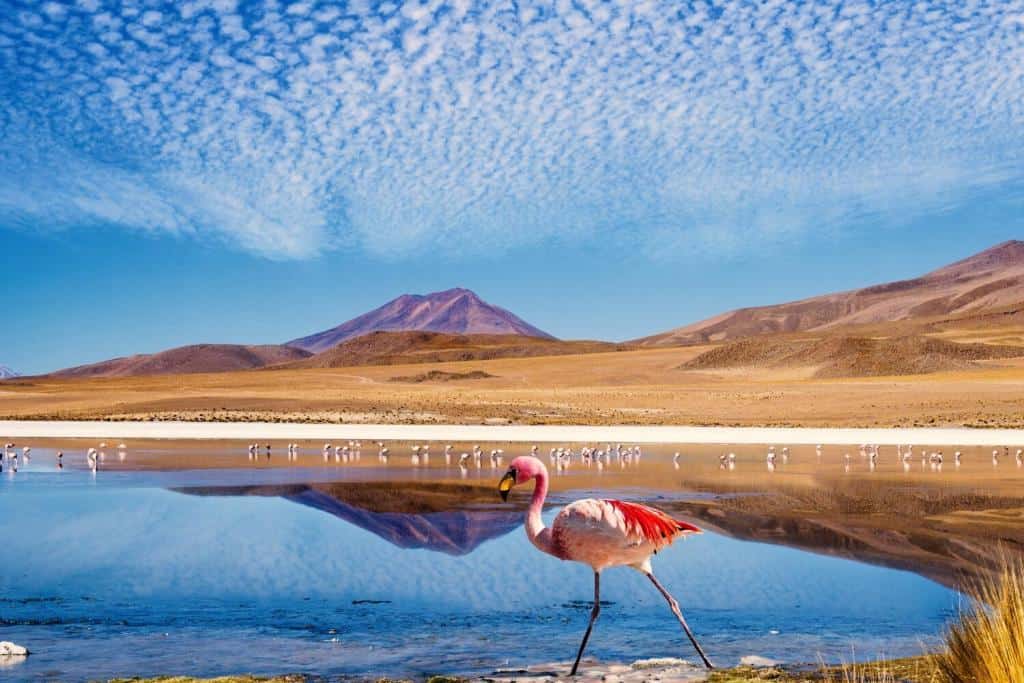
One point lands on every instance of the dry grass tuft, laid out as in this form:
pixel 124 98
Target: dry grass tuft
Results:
pixel 986 645
pixel 915 670
pixel 910 670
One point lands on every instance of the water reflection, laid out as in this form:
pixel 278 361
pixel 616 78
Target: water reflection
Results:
pixel 241 578
pixel 386 511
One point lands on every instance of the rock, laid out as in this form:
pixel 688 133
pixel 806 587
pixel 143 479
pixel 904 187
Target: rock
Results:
pixel 757 662
pixel 9 649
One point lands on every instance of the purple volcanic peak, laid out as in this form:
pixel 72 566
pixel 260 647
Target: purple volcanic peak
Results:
pixel 7 373
pixel 457 311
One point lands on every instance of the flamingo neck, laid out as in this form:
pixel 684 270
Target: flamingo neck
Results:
pixel 538 534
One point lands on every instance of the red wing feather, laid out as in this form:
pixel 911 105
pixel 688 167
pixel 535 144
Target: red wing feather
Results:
pixel 654 525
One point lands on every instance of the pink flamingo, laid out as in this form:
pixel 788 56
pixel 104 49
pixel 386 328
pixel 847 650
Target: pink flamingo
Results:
pixel 599 533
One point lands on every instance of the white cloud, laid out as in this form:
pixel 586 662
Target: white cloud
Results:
pixel 473 127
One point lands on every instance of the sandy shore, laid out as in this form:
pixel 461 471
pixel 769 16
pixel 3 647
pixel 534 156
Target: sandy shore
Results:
pixel 264 431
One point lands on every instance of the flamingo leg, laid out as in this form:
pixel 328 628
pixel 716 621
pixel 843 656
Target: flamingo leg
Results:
pixel 593 617
pixel 679 615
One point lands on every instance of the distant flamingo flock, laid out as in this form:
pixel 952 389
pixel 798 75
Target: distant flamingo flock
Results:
pixel 560 459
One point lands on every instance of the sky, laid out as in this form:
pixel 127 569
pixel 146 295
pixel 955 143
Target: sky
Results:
pixel 251 172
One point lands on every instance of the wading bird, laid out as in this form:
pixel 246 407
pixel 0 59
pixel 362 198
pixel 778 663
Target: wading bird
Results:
pixel 601 534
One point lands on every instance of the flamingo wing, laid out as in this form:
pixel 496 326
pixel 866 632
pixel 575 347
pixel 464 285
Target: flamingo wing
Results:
pixel 604 533
pixel 650 524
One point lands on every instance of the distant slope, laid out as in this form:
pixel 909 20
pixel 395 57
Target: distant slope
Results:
pixel 392 348
pixel 986 281
pixel 850 356
pixel 456 311
pixel 7 373
pixel 189 359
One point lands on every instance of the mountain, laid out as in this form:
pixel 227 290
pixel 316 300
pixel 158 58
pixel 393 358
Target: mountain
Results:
pixel 7 373
pixel 188 359
pixel 987 281
pixel 392 348
pixel 456 311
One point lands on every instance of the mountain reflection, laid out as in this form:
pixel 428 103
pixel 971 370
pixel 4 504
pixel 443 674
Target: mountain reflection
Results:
pixel 448 518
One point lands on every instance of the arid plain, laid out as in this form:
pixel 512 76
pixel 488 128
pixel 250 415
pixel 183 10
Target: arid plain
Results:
pixel 625 387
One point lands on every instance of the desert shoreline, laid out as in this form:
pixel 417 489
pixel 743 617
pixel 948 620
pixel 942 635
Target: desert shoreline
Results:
pixel 636 434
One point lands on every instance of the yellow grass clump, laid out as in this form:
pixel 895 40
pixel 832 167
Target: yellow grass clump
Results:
pixel 986 645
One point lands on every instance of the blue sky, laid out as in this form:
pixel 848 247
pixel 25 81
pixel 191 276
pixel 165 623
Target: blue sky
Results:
pixel 250 172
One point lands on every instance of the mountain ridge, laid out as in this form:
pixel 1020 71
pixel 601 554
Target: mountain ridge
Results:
pixel 416 346
pixel 987 280
pixel 192 358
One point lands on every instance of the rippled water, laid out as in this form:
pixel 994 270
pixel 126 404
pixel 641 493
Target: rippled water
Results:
pixel 151 572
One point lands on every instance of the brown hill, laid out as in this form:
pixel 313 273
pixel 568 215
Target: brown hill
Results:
pixel 984 282
pixel 392 348
pixel 456 311
pixel 189 359
pixel 850 356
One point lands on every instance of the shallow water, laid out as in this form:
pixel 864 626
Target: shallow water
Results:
pixel 242 568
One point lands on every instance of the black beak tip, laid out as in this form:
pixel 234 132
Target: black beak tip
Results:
pixel 504 496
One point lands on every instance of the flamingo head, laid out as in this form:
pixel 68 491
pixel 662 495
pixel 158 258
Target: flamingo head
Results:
pixel 520 470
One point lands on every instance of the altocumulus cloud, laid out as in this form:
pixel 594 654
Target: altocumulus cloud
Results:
pixel 288 129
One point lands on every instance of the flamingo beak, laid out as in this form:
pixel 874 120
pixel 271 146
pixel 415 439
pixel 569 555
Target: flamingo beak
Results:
pixel 506 484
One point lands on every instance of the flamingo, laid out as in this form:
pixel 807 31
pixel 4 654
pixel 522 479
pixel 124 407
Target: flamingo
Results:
pixel 601 534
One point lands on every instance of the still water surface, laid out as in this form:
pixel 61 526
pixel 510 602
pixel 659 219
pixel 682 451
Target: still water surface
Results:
pixel 151 572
